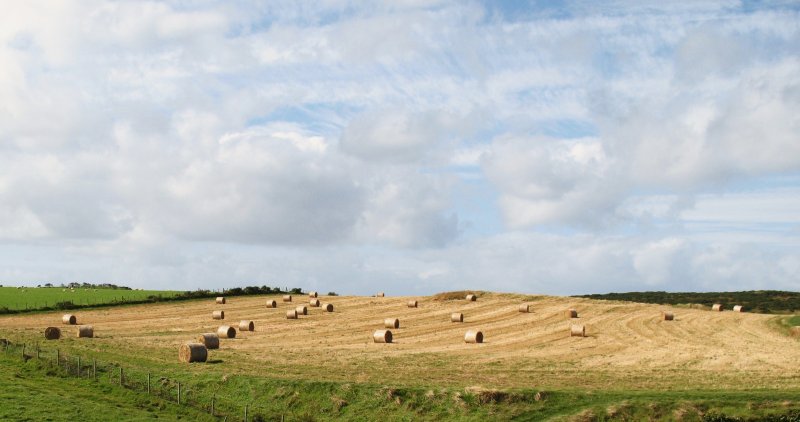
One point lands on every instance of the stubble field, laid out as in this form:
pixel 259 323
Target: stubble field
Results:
pixel 628 346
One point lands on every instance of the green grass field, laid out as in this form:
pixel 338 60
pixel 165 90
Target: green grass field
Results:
pixel 34 391
pixel 14 298
pixel 37 390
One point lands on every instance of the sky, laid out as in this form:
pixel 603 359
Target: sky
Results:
pixel 409 146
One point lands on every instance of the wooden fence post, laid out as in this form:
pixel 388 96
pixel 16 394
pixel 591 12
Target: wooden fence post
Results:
pixel 148 383
pixel 94 368
pixel 179 393
pixel 245 413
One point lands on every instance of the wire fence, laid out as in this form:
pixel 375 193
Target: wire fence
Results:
pixel 147 382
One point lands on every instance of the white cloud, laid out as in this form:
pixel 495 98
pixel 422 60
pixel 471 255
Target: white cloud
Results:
pixel 774 206
pixel 391 136
pixel 553 181
pixel 655 262
pixel 409 210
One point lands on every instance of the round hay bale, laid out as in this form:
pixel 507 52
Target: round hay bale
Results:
pixel 287 298
pixel 795 331
pixel 473 336
pixel 220 300
pixel 577 331
pixel 314 302
pixel 738 308
pixel 525 308
pixel 572 313
pixel 69 319
pixel 210 340
pixel 668 316
pixel 218 315
pixel 226 331
pixel 412 303
pixel 301 310
pixel 471 298
pixel 457 317
pixel 86 331
pixel 391 323
pixel 382 336
pixel 193 352
pixel 247 325
pixel 716 307
pixel 328 307
pixel 291 314
pixel 380 294
pixel 52 333
pixel 272 304
pixel 312 294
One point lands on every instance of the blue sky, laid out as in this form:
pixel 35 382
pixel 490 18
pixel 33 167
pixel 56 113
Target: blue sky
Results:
pixel 409 147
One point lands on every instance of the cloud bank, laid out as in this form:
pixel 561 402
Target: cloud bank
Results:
pixel 410 147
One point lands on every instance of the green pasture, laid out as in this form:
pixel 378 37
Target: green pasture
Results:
pixel 14 298
pixel 35 389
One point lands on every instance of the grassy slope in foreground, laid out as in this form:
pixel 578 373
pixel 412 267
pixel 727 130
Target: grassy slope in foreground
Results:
pixel 38 297
pixel 34 390
pixel 31 391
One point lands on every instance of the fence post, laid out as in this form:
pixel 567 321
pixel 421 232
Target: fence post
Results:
pixel 245 413
pixel 148 383
pixel 179 393
pixel 212 406
pixel 79 366
pixel 58 356
pixel 94 369
pixel 121 379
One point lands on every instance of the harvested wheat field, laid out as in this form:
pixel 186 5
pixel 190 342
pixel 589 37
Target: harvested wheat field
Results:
pixel 627 345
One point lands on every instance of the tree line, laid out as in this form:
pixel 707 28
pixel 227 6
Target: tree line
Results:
pixel 760 301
